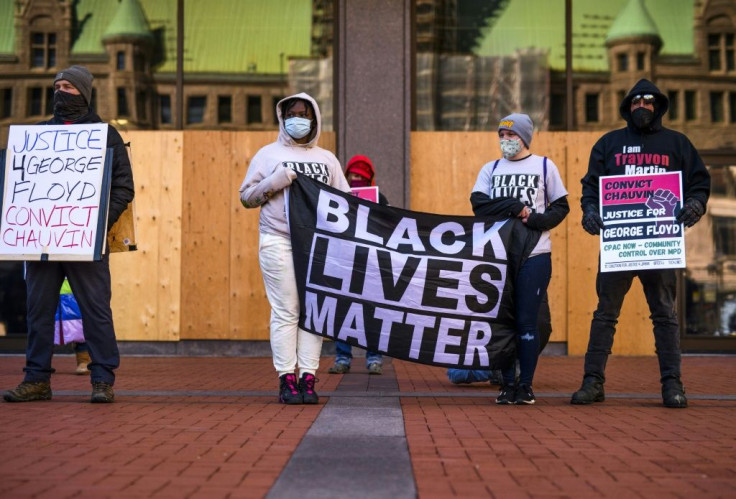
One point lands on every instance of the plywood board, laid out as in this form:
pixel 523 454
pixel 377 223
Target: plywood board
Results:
pixel 249 308
pixel 206 235
pixel 146 283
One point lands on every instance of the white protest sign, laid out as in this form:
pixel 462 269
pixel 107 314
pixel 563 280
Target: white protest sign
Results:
pixel 55 193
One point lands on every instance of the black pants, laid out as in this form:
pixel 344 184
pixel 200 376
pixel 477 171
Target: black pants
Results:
pixel 90 282
pixel 660 289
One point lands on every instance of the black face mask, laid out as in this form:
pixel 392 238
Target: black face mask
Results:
pixel 642 118
pixel 69 107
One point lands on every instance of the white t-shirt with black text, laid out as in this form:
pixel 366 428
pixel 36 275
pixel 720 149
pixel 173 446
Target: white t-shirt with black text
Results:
pixel 524 180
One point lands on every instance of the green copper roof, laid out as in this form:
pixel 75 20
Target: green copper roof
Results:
pixel 541 24
pixel 7 29
pixel 258 36
pixel 129 21
pixel 220 36
pixel 633 20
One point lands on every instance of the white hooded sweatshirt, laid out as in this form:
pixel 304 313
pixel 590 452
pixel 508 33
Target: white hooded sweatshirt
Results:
pixel 274 167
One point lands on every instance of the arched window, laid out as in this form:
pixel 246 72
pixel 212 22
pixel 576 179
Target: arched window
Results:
pixel 720 42
pixel 43 43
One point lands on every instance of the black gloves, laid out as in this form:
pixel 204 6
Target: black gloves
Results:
pixel 592 222
pixel 691 212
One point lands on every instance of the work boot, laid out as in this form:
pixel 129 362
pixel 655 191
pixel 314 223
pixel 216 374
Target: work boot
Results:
pixel 28 391
pixel 102 393
pixel 591 391
pixel 339 368
pixel 306 388
pixel 82 360
pixel 375 368
pixel 289 390
pixel 673 393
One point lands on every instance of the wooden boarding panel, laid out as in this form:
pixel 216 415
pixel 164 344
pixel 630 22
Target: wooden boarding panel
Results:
pixel 470 151
pixel 196 274
pixel 249 308
pixel 146 282
pixel 554 147
pixel 206 235
pixel 443 171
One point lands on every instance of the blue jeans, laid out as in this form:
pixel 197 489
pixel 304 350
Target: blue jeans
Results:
pixel 345 355
pixel 660 290
pixel 462 376
pixel 530 287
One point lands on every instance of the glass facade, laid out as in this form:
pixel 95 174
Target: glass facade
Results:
pixel 710 279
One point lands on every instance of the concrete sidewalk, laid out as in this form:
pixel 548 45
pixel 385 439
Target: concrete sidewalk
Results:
pixel 212 427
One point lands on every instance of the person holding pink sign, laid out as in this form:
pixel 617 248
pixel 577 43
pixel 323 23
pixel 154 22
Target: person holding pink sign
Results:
pixel 643 147
pixel 360 172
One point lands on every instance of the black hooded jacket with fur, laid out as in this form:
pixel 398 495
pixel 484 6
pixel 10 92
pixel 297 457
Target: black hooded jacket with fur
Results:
pixel 656 149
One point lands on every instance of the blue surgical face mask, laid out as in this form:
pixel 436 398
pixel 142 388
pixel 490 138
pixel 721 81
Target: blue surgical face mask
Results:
pixel 298 128
pixel 510 147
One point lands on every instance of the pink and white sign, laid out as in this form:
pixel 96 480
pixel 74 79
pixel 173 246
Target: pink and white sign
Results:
pixel 640 227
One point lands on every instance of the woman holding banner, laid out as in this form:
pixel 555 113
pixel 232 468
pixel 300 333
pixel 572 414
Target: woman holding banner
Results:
pixel 269 175
pixel 528 187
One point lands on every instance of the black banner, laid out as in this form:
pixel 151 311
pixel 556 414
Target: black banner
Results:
pixel 433 289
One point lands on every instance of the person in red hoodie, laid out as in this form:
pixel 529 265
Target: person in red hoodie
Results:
pixel 360 172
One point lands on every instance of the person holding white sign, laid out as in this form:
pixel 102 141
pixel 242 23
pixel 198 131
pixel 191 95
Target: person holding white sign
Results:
pixel 529 187
pixel 643 147
pixel 269 176
pixel 89 279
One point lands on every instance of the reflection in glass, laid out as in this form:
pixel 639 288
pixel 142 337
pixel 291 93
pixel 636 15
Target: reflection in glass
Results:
pixel 710 277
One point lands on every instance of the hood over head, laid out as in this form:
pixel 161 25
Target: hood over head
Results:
pixel 644 87
pixel 363 166
pixel 316 129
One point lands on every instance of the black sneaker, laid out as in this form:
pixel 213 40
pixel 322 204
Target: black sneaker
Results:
pixel 28 391
pixel 524 395
pixel 591 391
pixel 102 393
pixel 289 390
pixel 306 387
pixel 673 394
pixel 507 395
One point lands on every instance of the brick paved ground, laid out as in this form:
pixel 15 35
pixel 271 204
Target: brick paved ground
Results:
pixel 211 427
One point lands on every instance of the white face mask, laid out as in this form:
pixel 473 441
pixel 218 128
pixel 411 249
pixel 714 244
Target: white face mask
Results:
pixel 297 127
pixel 510 147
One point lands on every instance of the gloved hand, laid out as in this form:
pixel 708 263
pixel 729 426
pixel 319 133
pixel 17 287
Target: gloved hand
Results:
pixel 691 212
pixel 592 222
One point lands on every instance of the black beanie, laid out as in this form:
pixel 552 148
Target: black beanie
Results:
pixel 80 77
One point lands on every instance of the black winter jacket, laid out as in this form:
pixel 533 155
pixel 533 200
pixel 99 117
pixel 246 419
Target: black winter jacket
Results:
pixel 631 151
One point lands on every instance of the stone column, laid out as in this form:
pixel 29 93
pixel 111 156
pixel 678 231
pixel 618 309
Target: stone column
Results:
pixel 373 74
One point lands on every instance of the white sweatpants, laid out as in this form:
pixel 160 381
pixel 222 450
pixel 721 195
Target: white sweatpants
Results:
pixel 291 345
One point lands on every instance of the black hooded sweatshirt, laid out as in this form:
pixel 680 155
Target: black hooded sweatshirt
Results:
pixel 655 149
pixel 122 188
